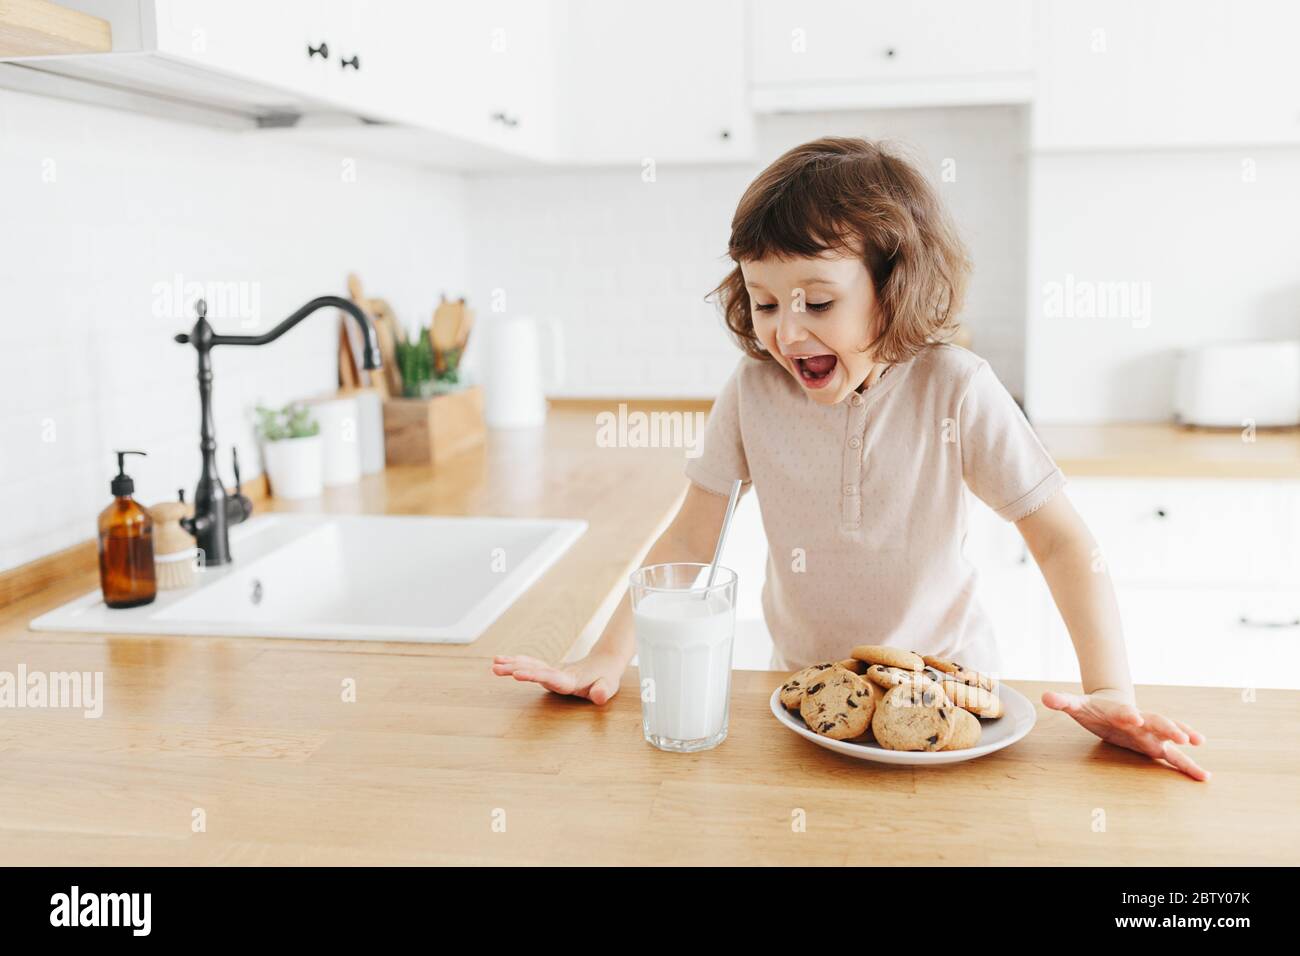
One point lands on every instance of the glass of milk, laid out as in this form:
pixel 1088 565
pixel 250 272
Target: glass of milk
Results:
pixel 684 633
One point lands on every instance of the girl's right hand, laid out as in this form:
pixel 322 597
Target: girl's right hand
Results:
pixel 595 677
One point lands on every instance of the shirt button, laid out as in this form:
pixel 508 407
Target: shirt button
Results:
pixel 857 400
pixel 855 442
pixel 849 489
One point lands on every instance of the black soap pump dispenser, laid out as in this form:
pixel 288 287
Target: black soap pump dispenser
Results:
pixel 126 569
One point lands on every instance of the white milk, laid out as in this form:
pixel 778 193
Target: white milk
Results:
pixel 684 648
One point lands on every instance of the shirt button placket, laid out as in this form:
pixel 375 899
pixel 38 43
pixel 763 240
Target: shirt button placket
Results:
pixel 851 497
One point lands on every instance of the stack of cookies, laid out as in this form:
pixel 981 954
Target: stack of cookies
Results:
pixel 906 701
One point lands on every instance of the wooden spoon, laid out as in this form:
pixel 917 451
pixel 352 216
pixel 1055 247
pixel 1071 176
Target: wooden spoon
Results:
pixel 446 330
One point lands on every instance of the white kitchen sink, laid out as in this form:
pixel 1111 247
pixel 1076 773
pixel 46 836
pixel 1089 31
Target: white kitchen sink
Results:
pixel 349 578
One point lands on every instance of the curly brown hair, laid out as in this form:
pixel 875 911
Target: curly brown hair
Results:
pixel 852 195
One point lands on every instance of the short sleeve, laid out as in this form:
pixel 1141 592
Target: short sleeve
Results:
pixel 1002 460
pixel 719 459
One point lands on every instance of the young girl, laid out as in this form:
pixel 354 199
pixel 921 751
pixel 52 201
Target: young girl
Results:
pixel 857 427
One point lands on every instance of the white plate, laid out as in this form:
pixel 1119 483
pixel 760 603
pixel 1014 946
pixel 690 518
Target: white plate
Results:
pixel 1016 721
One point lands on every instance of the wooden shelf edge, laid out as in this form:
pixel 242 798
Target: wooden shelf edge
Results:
pixel 42 28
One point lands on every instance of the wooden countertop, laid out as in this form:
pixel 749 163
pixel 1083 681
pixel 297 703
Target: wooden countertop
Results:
pixel 1170 451
pixel 256 736
pixel 436 755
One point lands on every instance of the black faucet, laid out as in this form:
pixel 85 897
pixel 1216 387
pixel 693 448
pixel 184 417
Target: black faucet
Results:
pixel 214 510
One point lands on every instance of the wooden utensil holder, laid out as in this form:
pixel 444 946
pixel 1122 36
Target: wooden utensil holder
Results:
pixel 426 431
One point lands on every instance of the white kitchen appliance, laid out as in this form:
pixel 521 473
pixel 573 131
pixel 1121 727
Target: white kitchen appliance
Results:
pixel 514 384
pixel 1237 384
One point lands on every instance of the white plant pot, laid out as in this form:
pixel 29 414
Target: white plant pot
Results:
pixel 294 466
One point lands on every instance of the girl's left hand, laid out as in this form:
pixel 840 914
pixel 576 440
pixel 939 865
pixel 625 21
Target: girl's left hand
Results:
pixel 1116 721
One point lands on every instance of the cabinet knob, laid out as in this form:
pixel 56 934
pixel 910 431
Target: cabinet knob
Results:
pixel 726 134
pixel 890 53
pixel 323 51
pixel 355 62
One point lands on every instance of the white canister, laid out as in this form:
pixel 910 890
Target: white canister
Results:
pixel 370 426
pixel 340 438
pixel 293 466
pixel 514 386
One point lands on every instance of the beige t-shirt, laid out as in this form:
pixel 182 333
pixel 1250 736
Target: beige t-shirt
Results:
pixel 862 501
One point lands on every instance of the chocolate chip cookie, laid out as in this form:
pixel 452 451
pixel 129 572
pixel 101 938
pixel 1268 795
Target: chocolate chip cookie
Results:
pixel 792 690
pixel 838 704
pixel 980 702
pixel 966 731
pixel 888 677
pixel 889 656
pixel 959 673
pixel 914 717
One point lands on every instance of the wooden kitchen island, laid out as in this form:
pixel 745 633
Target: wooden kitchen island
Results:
pixel 224 751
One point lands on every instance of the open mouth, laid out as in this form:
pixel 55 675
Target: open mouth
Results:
pixel 815 371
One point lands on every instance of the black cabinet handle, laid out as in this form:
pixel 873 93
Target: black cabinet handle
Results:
pixel 355 62
pixel 509 122
pixel 323 51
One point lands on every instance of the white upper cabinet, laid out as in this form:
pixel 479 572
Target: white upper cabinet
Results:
pixel 356 73
pixel 616 82
pixel 1118 74
pixel 827 54
pixel 254 42
pixel 662 81
pixel 513 54
pixel 375 60
pixel 481 72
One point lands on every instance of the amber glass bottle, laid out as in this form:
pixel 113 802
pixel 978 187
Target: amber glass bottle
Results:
pixel 126 572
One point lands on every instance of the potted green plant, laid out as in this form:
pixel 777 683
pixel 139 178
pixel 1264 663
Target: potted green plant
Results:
pixel 291 450
pixel 426 371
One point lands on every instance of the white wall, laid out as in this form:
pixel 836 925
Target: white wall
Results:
pixel 97 208
pixel 625 264
pixel 1212 235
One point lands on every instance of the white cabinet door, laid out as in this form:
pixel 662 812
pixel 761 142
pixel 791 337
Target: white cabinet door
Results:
pixel 316 48
pixel 354 72
pixel 830 43
pixel 665 83
pixel 516 61
pixel 1213 638
pixel 1013 594
pixel 481 72
pixel 1113 73
pixel 247 39
pixel 435 49
pixel 1189 637
pixel 1219 534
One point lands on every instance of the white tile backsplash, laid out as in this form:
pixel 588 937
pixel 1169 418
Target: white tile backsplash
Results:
pixel 100 211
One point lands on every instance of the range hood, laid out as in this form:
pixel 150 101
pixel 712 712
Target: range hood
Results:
pixel 162 85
